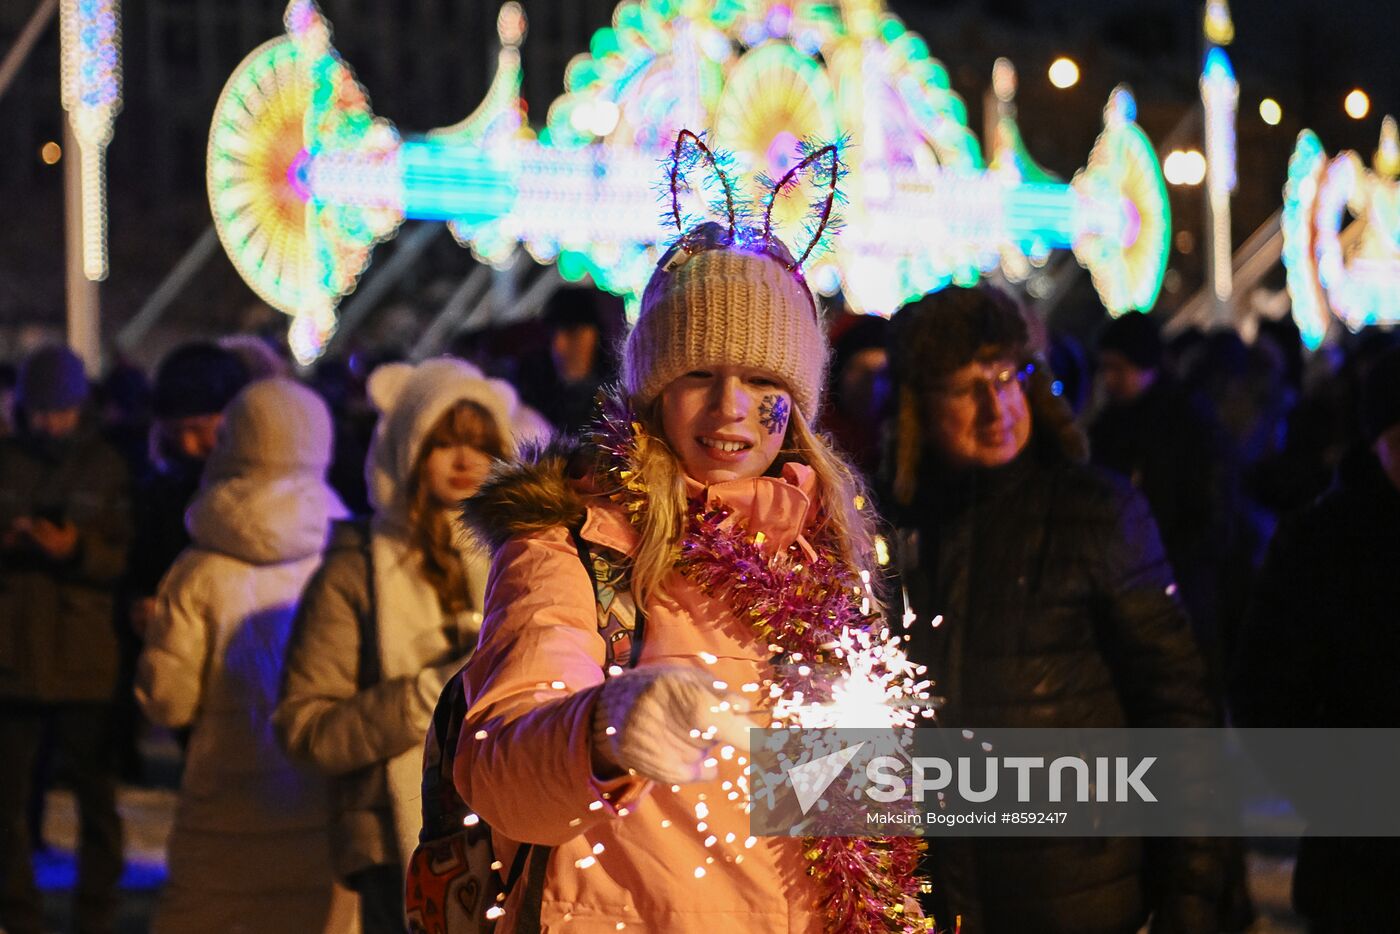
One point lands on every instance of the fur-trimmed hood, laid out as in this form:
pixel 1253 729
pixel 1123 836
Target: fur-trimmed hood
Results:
pixel 547 487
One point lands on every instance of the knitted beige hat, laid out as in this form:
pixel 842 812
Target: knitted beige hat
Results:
pixel 726 306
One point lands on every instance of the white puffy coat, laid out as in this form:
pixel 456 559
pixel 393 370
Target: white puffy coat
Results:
pixel 250 848
pixel 370 738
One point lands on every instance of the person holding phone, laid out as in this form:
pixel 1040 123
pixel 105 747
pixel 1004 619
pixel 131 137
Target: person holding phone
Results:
pixel 65 527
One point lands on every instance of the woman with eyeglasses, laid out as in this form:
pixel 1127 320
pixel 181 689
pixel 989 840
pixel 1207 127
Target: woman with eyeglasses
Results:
pixel 1041 598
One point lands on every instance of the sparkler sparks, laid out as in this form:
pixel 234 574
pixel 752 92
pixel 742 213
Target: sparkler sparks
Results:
pixel 880 688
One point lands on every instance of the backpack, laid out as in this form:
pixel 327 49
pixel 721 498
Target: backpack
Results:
pixel 454 880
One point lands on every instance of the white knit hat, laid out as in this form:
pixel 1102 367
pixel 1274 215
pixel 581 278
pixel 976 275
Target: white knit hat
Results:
pixel 411 399
pixel 725 305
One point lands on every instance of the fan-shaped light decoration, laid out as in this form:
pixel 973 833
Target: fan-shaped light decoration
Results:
pixel 922 211
pixel 257 190
pixel 774 99
pixel 1341 235
pixel 1127 259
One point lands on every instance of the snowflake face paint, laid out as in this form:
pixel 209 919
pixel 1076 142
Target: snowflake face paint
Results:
pixel 773 413
pixel 725 422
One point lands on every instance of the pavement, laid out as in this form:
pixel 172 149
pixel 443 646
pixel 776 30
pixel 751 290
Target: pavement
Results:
pixel 147 814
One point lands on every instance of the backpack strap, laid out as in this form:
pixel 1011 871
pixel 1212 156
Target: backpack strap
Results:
pixel 622 625
pixel 355 533
pixel 528 918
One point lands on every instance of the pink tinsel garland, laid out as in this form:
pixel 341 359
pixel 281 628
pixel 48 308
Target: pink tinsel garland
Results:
pixel 800 605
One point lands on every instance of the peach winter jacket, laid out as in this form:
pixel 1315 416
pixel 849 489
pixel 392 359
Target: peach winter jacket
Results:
pixel 625 850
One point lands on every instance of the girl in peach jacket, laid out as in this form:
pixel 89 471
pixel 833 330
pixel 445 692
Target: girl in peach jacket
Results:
pixel 632 786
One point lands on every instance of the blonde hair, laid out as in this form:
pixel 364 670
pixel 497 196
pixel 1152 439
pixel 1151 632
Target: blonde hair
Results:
pixel 844 508
pixel 430 530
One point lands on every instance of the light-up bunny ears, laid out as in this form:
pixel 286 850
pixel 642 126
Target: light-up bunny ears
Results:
pixel 691 152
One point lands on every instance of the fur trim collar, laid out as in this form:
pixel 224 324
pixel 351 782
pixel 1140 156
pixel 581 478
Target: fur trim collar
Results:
pixel 543 490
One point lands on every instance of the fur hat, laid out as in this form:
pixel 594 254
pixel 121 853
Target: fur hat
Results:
pixel 714 302
pixel 944 331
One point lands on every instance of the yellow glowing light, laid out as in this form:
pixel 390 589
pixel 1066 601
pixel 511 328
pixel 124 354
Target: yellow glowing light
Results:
pixel 1387 159
pixel 1357 104
pixel 1184 167
pixel 1219 27
pixel 1064 73
pixel 1270 112
pixel 50 152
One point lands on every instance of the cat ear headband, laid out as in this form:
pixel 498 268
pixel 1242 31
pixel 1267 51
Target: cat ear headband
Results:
pixel 691 151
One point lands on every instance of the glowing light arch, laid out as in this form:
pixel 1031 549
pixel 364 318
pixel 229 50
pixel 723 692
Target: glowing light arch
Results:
pixel 923 210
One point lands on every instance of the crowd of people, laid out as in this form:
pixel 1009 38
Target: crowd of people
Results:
pixel 1103 531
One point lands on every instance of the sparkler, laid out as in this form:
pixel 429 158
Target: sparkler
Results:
pixel 880 688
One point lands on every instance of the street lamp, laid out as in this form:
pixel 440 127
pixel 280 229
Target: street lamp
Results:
pixel 1357 104
pixel 1184 167
pixel 1270 111
pixel 1064 73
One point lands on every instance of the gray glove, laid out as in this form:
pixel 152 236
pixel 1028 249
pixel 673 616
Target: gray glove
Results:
pixel 662 723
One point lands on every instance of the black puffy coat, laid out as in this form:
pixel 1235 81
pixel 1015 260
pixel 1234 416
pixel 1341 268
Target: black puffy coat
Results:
pixel 1058 610
pixel 1320 648
pixel 1169 447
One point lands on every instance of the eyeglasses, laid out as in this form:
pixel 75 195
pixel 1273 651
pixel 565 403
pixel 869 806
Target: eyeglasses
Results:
pixel 997 379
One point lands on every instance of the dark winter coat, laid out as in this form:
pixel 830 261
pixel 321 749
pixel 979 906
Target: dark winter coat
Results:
pixel 1168 446
pixel 1058 610
pixel 159 503
pixel 1320 648
pixel 58 638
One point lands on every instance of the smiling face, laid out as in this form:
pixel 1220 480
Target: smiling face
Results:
pixel 725 422
pixel 980 415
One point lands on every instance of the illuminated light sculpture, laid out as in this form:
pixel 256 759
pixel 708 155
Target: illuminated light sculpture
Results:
pixel 1341 235
pixel 1220 93
pixel 1219 26
pixel 90 50
pixel 304 180
pixel 1011 158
